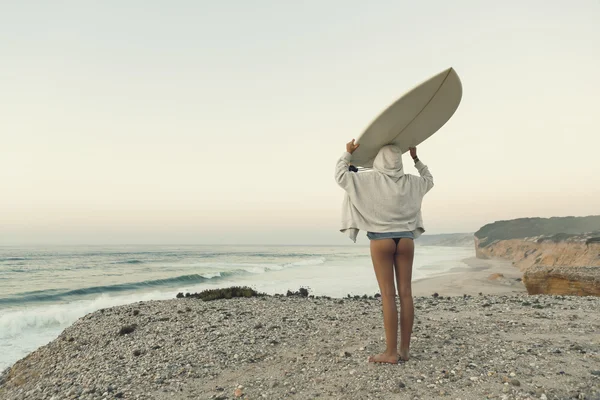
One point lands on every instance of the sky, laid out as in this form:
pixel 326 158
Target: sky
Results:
pixel 164 122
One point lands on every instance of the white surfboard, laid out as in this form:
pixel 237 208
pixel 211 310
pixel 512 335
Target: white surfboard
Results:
pixel 412 118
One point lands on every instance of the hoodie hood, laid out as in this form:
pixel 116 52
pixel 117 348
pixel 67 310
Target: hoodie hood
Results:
pixel 389 162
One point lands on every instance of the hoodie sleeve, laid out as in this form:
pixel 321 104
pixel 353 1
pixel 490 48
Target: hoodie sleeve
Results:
pixel 343 177
pixel 426 180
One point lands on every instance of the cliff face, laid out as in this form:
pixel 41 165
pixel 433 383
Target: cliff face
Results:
pixel 525 253
pixel 555 258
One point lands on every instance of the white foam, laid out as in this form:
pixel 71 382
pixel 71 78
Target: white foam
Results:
pixel 22 331
pixel 311 261
pixel 210 275
pixel 15 322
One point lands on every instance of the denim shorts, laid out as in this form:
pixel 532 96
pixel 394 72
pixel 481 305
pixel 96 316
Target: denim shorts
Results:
pixel 390 235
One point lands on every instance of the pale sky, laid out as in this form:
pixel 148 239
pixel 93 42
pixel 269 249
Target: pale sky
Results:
pixel 221 121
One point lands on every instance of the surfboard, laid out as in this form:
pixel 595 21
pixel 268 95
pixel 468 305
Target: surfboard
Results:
pixel 412 118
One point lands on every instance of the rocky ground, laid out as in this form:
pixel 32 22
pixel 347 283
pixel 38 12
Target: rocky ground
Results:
pixel 480 347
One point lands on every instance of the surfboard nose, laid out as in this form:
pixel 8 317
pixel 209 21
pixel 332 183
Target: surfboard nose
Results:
pixel 412 118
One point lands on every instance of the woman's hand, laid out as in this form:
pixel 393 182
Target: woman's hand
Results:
pixel 351 146
pixel 413 152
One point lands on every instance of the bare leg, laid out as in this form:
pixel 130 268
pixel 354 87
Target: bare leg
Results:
pixel 403 261
pixel 382 254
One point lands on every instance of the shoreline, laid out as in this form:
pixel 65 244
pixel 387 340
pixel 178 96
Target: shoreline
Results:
pixel 472 279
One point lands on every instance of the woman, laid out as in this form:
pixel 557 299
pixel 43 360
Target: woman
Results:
pixel 387 204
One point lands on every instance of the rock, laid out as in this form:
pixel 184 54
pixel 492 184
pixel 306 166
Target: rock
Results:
pixel 515 382
pixel 495 277
pixel 127 329
pixel 238 392
pixel 571 281
pixel 595 372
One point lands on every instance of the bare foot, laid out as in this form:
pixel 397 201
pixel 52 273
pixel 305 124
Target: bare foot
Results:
pixel 404 355
pixel 384 358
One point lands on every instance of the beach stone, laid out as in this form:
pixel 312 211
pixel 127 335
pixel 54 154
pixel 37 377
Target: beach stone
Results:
pixel 515 382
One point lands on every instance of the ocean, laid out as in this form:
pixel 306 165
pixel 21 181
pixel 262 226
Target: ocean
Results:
pixel 45 289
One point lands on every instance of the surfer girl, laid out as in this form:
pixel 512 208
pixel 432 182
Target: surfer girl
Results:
pixel 386 203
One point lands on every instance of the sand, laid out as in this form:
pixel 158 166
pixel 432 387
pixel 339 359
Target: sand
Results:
pixel 477 276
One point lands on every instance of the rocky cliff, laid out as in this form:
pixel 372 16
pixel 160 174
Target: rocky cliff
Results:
pixel 557 255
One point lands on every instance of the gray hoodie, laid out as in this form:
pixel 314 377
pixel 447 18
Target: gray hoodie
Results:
pixel 384 199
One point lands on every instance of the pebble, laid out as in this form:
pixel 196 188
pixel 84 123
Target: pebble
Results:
pixel 310 346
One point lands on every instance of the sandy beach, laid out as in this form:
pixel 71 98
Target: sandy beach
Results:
pixel 503 344
pixel 493 277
